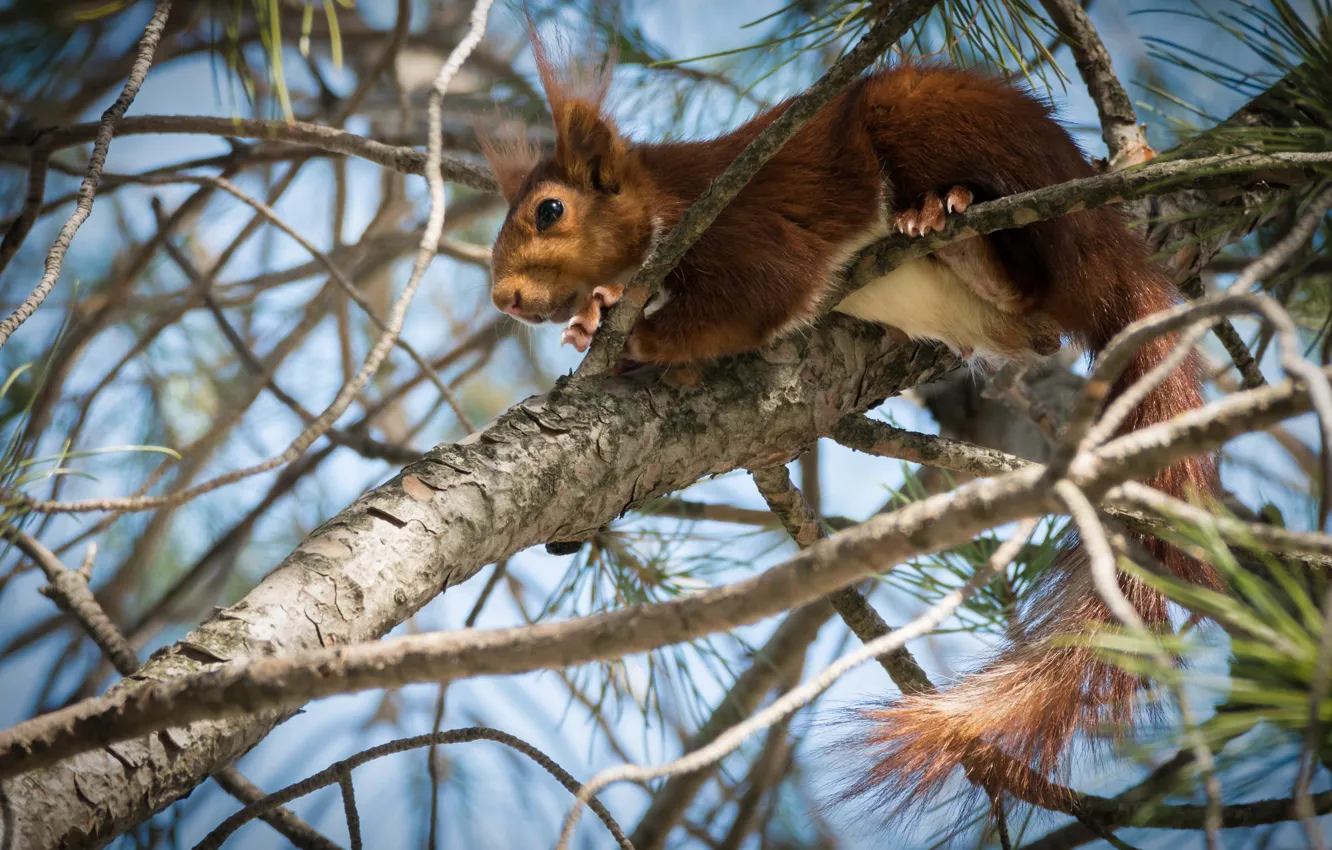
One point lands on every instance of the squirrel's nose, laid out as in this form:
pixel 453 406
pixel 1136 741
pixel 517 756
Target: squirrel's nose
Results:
pixel 515 305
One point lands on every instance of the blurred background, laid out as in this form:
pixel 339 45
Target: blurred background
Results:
pixel 148 367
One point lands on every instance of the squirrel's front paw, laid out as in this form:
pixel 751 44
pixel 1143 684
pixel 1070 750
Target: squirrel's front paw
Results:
pixel 932 212
pixel 583 326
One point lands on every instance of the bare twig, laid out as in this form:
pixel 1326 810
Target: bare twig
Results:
pixel 404 159
pixel 668 252
pixel 789 504
pixel 335 772
pixel 801 696
pixel 105 130
pixel 787 642
pixel 1124 138
pixel 297 831
pixel 336 273
pixel 349 808
pixel 397 38
pixel 871 436
pixel 68 589
pixel 38 159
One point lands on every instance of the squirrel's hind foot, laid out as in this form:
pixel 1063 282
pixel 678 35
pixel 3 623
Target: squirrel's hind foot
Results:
pixel 933 212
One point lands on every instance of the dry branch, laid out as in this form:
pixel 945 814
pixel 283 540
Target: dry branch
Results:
pixel 1124 137
pixel 401 158
pixel 106 128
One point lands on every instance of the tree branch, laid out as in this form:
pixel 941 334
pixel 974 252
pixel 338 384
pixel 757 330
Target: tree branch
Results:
pixel 271 685
pixel 400 158
pixel 69 590
pixel 1124 138
pixel 106 128
pixel 554 467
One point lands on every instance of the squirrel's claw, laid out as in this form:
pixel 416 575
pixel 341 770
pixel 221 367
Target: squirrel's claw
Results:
pixel 932 212
pixel 577 335
pixel 583 326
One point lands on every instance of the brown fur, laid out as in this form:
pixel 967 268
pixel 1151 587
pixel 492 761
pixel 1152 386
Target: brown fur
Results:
pixel 762 268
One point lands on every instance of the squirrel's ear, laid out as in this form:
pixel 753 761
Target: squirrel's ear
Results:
pixel 588 147
pixel 511 155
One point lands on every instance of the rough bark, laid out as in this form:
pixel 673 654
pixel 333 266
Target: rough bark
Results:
pixel 557 466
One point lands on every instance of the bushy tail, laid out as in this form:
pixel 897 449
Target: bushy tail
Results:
pixel 1010 725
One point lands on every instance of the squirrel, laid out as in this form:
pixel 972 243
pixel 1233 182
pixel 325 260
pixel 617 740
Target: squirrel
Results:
pixel 899 150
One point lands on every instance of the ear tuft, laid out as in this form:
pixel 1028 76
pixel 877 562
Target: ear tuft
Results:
pixel 510 152
pixel 587 145
pixel 564 79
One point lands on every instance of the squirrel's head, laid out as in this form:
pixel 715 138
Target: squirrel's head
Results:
pixel 577 218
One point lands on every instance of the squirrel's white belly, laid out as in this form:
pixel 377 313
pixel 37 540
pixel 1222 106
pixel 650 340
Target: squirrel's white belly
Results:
pixel 925 300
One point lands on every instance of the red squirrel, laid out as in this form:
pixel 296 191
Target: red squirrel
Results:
pixel 899 150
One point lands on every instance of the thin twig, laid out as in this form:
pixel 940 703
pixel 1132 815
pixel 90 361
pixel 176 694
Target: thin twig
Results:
pixel 789 504
pixel 871 436
pixel 105 130
pixel 1246 362
pixel 784 646
pixel 400 158
pixel 401 27
pixel 334 773
pixel 349 808
pixel 431 767
pixel 334 272
pixel 797 698
pixel 38 158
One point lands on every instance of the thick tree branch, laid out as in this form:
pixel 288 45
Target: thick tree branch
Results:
pixel 555 467
pixel 69 590
pixel 267 685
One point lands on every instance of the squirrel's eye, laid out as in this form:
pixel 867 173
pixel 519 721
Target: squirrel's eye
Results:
pixel 547 213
